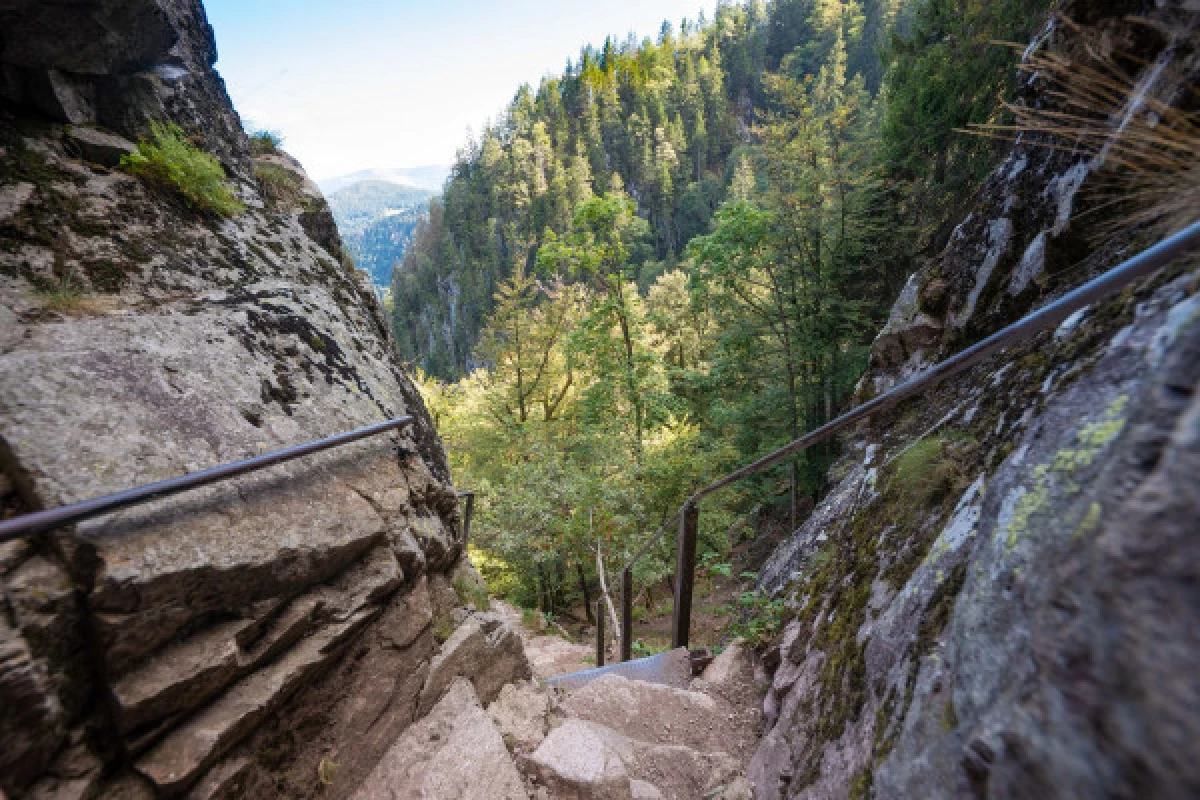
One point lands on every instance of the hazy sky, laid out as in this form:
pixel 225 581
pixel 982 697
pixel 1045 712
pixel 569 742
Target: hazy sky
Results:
pixel 353 84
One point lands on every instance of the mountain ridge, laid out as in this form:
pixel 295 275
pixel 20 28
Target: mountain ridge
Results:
pixel 428 176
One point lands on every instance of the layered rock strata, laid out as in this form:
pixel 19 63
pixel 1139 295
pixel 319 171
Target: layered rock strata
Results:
pixel 266 636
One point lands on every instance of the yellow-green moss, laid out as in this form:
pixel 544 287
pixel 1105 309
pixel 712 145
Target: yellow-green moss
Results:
pixel 949 716
pixel 860 785
pixel 1089 523
pixel 1091 439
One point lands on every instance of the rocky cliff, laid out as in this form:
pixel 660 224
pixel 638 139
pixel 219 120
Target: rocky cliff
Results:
pixel 269 636
pixel 998 595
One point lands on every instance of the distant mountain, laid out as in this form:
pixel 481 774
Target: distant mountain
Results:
pixel 376 219
pixel 428 177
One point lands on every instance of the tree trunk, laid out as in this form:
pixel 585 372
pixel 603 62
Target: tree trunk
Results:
pixel 612 612
pixel 543 589
pixel 587 597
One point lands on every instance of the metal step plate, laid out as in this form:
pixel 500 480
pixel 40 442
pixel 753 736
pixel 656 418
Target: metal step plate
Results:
pixel 672 668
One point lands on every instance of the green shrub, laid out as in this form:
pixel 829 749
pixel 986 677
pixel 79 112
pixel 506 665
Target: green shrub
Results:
pixel 169 159
pixel 471 594
pixel 265 142
pixel 533 620
pixel 756 617
pixel 641 649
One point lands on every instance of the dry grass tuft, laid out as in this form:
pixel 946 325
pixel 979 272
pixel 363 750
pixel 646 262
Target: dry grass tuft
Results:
pixel 1131 116
pixel 69 300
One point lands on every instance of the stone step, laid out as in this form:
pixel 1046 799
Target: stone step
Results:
pixel 454 752
pixel 623 738
pixel 588 761
pixel 659 715
pixel 485 648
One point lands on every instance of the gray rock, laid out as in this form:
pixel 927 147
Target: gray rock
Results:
pixel 641 790
pixel 32 724
pixel 661 715
pixel 181 677
pixel 581 760
pixel 910 331
pixel 520 713
pixel 454 752
pixel 178 760
pixel 12 199
pixel 121 63
pixel 181 341
pixel 99 147
pixel 484 649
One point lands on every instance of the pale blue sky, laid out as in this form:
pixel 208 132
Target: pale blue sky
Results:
pixel 354 84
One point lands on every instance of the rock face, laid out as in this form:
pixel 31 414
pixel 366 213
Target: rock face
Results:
pixel 455 752
pixel 997 599
pixel 269 636
pixel 120 64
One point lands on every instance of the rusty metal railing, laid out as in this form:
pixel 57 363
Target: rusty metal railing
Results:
pixel 468 508
pixel 41 521
pixel 1054 313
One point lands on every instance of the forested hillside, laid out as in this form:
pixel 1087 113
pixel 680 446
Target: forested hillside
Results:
pixel 673 257
pixel 376 220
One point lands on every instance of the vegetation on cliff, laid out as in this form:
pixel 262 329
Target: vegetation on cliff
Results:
pixel 170 160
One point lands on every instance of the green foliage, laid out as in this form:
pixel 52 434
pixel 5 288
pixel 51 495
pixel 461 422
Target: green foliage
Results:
pixel 471 594
pixel 946 71
pixel 642 649
pixel 169 159
pixel 358 206
pixel 756 617
pixel 265 142
pixel 673 258
pixel 709 563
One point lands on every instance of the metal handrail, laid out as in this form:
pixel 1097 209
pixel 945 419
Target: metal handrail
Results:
pixel 1054 313
pixel 40 521
pixel 469 494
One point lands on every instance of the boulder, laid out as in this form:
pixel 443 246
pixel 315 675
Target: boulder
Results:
pixel 181 341
pixel 581 760
pixel 520 714
pixel 656 714
pixel 98 146
pixel 454 753
pixel 486 650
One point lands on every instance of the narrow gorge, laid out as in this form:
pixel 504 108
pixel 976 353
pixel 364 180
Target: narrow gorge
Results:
pixel 995 595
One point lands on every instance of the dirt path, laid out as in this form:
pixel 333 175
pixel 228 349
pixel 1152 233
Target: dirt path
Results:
pixel 549 654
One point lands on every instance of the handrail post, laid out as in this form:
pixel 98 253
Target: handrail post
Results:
pixel 470 496
pixel 600 632
pixel 685 574
pixel 627 614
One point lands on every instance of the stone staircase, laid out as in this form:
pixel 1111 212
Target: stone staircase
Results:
pixel 599 736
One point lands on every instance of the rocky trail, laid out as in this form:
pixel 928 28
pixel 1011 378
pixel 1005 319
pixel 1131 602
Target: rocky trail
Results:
pixel 614 738
pixel 549 654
